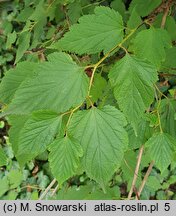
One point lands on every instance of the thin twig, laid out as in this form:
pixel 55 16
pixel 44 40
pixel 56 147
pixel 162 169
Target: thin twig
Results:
pixel 136 192
pixel 157 109
pixel 108 54
pixel 55 190
pixel 163 22
pixel 47 189
pixel 71 114
pixel 96 3
pixel 161 8
pixel 145 179
pixel 136 171
pixel 50 4
pixel 131 170
pixel 167 74
pixel 31 187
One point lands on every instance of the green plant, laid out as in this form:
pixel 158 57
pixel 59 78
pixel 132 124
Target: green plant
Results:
pixel 101 103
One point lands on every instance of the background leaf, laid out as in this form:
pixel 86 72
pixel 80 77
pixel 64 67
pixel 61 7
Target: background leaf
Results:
pixel 23 45
pixel 15 178
pixel 144 7
pixel 150 45
pixel 169 65
pixel 3 158
pixel 98 87
pixel 16 123
pixel 13 79
pixel 4 186
pixel 167 111
pixel 161 149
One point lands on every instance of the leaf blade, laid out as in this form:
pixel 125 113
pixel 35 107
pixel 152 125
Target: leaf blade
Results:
pixel 161 149
pixel 150 45
pixel 3 158
pixel 94 33
pixel 59 85
pixel 103 140
pixel 13 79
pixel 64 157
pixel 133 81
pixel 38 132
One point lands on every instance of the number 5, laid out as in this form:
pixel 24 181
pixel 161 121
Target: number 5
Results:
pixel 167 206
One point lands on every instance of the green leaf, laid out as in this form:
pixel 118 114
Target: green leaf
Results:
pixel 59 85
pixel 128 166
pixel 143 133
pixel 2 124
pixel 11 38
pixel 74 11
pixel 55 12
pixel 11 195
pixel 64 2
pixel 161 147
pixel 169 65
pixel 88 192
pixel 170 25
pixel 16 123
pixel 134 21
pixel 15 178
pixel 150 45
pixel 39 12
pixel 7 27
pixel 94 33
pixel 103 139
pixel 23 45
pixel 38 132
pixel 64 157
pixel 24 14
pixel 112 193
pixel 74 192
pixel 4 186
pixel 13 79
pixel 152 118
pixel 3 158
pixel 38 33
pixel 153 183
pixel 40 17
pixel 133 79
pixel 144 8
pixel 119 6
pixel 98 86
pixel 167 111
